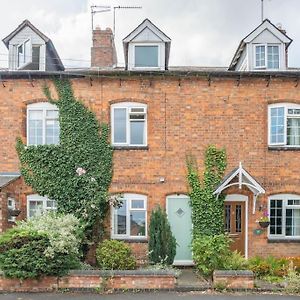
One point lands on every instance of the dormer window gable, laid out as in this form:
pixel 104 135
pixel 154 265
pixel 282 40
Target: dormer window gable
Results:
pixel 146 48
pixel 264 49
pixel 30 49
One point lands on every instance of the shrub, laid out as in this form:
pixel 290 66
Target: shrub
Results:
pixel 162 244
pixel 235 261
pixel 34 248
pixel 211 253
pixel 295 263
pixel 292 282
pixel 269 266
pixel 115 255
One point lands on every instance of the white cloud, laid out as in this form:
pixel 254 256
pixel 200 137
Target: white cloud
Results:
pixel 203 32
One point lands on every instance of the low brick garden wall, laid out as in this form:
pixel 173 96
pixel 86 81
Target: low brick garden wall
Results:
pixel 233 279
pixel 94 280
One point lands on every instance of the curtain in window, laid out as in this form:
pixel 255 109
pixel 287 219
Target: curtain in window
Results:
pixel 293 131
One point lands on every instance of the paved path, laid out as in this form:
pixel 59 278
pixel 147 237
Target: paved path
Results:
pixel 140 296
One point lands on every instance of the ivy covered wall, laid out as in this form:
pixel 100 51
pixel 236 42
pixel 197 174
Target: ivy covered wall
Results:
pixel 76 173
pixel 207 209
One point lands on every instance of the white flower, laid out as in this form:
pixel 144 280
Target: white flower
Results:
pixel 80 171
pixel 93 179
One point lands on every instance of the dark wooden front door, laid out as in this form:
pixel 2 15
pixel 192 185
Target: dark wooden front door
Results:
pixel 235 224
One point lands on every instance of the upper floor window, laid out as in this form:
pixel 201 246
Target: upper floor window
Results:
pixel 284 125
pixel 130 220
pixel 146 56
pixel 37 205
pixel 129 124
pixel 42 124
pixel 267 56
pixel 284 216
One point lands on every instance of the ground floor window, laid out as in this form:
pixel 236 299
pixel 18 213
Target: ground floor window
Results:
pixel 284 216
pixel 37 205
pixel 11 205
pixel 129 221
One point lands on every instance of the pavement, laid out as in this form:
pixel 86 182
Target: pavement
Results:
pixel 140 296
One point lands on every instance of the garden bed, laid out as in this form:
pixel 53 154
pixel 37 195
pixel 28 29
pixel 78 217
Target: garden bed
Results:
pixel 94 280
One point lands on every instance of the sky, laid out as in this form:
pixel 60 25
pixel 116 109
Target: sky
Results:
pixel 203 32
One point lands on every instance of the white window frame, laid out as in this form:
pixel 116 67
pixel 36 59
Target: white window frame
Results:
pixel 129 197
pixel 145 45
pixel 286 106
pixel 265 67
pixel 284 198
pixel 128 106
pixel 41 106
pixel 36 197
pixel 27 57
pixel 13 206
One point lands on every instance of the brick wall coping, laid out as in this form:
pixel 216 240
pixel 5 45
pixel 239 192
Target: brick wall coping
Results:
pixel 229 273
pixel 110 273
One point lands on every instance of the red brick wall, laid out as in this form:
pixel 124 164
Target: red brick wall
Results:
pixel 89 281
pixel 103 52
pixel 182 119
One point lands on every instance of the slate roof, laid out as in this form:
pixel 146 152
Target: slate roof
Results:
pixel 7 178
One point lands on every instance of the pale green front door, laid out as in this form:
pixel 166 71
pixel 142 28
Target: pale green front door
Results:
pixel 179 215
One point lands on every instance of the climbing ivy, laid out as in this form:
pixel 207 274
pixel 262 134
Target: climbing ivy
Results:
pixel 207 209
pixel 77 172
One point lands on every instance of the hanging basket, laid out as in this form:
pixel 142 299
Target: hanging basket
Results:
pixel 14 212
pixel 264 224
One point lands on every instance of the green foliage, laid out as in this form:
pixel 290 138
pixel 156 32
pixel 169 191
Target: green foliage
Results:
pixel 207 210
pixel 52 170
pixel 33 249
pixel 235 261
pixel 292 282
pixel 269 266
pixel 115 255
pixel 162 244
pixel 211 253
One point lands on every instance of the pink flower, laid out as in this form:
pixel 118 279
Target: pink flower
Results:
pixel 80 171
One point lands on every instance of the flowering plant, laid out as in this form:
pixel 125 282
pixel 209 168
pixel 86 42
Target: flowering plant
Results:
pixel 264 217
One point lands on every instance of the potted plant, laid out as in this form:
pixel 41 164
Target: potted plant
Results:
pixel 13 212
pixel 264 220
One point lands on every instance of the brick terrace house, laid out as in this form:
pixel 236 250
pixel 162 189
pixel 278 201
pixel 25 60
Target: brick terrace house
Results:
pixel 159 114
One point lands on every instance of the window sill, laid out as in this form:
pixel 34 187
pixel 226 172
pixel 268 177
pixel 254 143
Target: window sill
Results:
pixel 283 148
pixel 289 241
pixel 130 148
pixel 131 240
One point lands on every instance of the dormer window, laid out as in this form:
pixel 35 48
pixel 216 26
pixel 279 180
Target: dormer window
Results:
pixel 24 56
pixel 265 48
pixel 146 56
pixel 267 56
pixel 30 49
pixel 146 48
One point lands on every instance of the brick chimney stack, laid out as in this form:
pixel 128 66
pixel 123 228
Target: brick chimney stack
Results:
pixel 103 52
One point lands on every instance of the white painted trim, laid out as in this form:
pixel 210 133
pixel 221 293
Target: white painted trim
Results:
pixel 179 196
pixel 284 198
pixel 128 106
pixel 265 67
pixel 44 107
pixel 141 28
pixel 286 106
pixel 128 197
pixel 131 62
pixel 267 25
pixel 36 197
pixel 241 198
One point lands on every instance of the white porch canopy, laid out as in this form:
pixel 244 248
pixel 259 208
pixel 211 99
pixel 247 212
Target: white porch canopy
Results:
pixel 239 176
